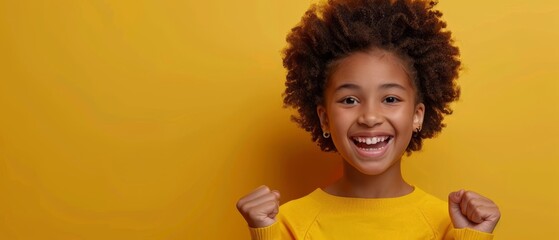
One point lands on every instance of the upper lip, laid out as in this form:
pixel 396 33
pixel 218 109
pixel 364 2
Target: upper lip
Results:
pixel 371 134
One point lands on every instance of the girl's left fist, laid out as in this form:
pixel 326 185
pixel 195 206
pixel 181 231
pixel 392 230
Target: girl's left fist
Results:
pixel 470 210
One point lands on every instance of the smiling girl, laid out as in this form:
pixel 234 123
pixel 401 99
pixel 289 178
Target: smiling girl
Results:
pixel 370 80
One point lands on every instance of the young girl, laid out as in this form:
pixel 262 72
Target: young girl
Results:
pixel 370 80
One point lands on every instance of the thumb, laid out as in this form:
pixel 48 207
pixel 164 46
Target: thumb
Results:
pixel 458 219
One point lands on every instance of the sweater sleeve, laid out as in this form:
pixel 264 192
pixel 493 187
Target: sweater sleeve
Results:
pixel 276 231
pixel 265 233
pixel 467 234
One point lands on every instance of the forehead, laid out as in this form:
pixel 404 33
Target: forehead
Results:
pixel 374 67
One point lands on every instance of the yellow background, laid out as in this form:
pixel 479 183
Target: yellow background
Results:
pixel 149 119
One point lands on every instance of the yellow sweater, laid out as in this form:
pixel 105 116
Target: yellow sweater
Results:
pixel 320 215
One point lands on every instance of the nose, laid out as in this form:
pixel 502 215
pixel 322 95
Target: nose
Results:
pixel 370 116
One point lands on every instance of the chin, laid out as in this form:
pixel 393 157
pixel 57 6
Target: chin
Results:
pixel 373 168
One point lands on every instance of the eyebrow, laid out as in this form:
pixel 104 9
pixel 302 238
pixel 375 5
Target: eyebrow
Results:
pixel 392 85
pixel 352 86
pixel 347 86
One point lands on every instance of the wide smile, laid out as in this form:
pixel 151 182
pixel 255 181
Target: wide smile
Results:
pixel 372 147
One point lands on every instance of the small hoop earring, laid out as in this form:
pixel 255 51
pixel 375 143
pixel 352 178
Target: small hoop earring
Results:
pixel 326 134
pixel 416 132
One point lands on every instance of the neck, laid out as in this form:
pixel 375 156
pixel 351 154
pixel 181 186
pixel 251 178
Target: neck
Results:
pixel 356 184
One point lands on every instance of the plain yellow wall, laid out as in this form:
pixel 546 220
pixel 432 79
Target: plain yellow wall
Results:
pixel 149 119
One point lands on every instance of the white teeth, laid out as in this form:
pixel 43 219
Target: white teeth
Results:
pixel 370 140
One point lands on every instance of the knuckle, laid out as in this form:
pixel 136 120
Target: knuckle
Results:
pixel 270 196
pixel 265 188
pixel 478 210
pixel 473 203
pixel 245 209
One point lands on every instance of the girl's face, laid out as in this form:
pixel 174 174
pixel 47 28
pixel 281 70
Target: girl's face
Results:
pixel 370 110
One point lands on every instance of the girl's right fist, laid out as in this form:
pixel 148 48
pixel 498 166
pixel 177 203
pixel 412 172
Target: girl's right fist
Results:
pixel 260 207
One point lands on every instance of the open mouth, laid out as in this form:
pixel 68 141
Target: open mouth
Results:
pixel 371 143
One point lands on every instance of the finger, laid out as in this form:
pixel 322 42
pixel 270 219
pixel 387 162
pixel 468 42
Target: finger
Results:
pixel 456 197
pixel 277 193
pixel 275 211
pixel 473 204
pixel 458 219
pixel 265 209
pixel 487 213
pixel 473 212
pixel 483 223
pixel 261 200
pixel 263 215
pixel 477 214
pixel 466 197
pixel 471 201
pixel 459 201
pixel 493 214
pixel 256 193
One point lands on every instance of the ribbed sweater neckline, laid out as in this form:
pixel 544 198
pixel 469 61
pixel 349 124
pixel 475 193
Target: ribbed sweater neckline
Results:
pixel 363 204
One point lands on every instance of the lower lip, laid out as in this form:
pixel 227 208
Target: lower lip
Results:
pixel 373 153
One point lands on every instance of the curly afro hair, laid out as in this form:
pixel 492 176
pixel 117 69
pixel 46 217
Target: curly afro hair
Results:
pixel 412 30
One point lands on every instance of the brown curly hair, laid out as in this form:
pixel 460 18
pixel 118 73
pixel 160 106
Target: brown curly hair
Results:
pixel 412 30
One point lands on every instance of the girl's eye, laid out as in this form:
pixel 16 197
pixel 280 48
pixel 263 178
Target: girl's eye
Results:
pixel 349 101
pixel 391 100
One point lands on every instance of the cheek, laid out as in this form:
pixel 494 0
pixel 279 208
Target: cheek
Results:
pixel 403 120
pixel 340 120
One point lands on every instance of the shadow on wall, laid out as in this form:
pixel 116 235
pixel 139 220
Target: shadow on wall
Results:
pixel 302 166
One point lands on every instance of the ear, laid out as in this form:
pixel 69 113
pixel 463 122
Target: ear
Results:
pixel 418 115
pixel 321 111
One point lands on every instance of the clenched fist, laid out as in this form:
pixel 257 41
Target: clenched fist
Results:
pixel 471 210
pixel 260 207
